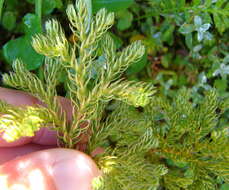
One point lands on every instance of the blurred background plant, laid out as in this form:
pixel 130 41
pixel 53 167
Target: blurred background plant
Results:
pixel 187 41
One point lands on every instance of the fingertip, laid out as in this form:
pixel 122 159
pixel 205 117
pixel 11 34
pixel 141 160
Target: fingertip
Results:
pixel 17 98
pixel 19 142
pixel 56 169
pixel 77 171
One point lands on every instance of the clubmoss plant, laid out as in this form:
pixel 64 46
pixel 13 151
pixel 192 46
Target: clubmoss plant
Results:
pixel 172 146
pixel 87 93
pixel 149 143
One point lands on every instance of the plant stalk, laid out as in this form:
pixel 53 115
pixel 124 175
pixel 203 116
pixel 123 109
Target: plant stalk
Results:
pixel 38 9
pixel 1 7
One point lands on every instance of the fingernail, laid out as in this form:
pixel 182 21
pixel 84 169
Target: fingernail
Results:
pixel 74 174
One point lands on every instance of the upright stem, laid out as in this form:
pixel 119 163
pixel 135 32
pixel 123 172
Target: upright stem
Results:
pixel 1 7
pixel 38 8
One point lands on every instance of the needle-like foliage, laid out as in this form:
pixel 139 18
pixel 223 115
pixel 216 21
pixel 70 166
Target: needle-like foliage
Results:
pixel 79 60
pixel 149 142
pixel 182 140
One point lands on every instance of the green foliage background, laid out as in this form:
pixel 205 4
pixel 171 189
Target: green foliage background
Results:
pixel 187 45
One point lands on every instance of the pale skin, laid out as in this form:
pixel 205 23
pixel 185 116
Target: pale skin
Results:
pixel 36 163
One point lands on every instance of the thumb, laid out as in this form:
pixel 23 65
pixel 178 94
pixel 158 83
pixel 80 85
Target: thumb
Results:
pixel 53 169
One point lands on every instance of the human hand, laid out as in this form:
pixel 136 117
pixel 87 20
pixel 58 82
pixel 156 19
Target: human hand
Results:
pixel 35 163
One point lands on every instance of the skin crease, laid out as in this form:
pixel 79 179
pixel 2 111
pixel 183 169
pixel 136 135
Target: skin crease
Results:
pixel 35 163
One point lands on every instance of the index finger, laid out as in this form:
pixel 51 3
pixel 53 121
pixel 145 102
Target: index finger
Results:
pixel 44 136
